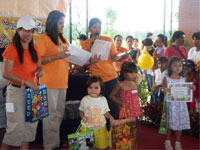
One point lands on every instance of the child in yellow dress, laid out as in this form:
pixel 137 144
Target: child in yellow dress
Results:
pixel 94 110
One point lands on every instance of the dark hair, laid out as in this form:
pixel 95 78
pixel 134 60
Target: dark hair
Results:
pixel 127 66
pixel 93 21
pixel 117 36
pixel 148 42
pixel 165 40
pixel 129 36
pixel 52 26
pixel 136 39
pixel 171 61
pixel 163 59
pixel 188 63
pixel 20 51
pixel 149 34
pixel 196 35
pixel 143 42
pixel 82 37
pixel 162 37
pixel 177 34
pixel 93 79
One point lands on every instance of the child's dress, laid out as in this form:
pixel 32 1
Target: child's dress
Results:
pixel 177 117
pixel 132 108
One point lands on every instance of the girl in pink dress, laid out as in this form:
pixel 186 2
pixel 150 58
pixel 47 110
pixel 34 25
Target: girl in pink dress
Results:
pixel 130 105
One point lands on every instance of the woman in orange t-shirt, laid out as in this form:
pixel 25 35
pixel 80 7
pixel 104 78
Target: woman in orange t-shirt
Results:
pixel 120 50
pixel 56 70
pixel 103 68
pixel 21 61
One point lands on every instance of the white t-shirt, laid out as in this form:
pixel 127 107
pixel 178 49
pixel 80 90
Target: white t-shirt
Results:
pixel 159 76
pixel 193 54
pixel 94 109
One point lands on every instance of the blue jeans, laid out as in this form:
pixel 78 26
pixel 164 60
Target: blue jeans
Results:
pixel 149 82
pixel 158 96
pixel 150 85
pixel 114 107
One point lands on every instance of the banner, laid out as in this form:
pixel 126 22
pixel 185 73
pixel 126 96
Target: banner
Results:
pixel 35 8
pixel 9 25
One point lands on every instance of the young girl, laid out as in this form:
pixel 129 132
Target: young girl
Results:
pixel 191 75
pixel 94 109
pixel 128 92
pixel 178 118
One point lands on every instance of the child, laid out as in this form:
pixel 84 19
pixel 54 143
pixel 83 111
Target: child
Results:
pixel 93 110
pixel 148 46
pixel 158 77
pixel 128 92
pixel 178 117
pixel 191 76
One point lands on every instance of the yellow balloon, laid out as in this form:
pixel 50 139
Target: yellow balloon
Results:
pixel 145 61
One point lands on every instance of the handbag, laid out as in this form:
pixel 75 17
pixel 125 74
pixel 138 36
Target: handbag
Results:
pixel 36 104
pixel 81 140
pixel 123 134
pixel 163 122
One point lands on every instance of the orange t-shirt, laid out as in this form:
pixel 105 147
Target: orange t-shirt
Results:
pixel 27 69
pixel 56 72
pixel 120 62
pixel 104 69
pixel 122 51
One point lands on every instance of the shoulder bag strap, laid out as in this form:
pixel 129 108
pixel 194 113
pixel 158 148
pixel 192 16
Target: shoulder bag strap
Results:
pixel 179 51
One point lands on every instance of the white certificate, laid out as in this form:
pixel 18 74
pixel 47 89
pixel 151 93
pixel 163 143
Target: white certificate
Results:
pixel 181 92
pixel 101 48
pixel 77 56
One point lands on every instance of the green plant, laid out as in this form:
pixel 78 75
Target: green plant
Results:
pixel 143 93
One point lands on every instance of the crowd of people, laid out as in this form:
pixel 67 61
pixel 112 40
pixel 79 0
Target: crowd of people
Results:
pixel 111 86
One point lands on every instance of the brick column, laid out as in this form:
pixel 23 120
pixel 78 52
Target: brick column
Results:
pixel 189 18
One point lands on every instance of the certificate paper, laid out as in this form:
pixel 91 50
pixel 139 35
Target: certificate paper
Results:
pixel 180 92
pixel 77 56
pixel 101 48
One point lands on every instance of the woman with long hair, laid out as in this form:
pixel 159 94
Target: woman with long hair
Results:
pixel 56 71
pixel 21 61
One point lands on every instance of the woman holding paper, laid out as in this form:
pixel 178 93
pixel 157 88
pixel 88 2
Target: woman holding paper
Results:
pixel 121 51
pixel 103 68
pixel 56 70
pixel 21 61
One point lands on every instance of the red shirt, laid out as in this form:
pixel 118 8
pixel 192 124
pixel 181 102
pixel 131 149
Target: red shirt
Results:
pixel 172 51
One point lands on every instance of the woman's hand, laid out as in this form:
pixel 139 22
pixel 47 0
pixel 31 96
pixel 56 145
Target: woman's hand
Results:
pixel 95 59
pixel 39 71
pixel 62 55
pixel 31 85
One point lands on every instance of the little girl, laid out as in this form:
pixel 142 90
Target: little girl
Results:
pixel 128 92
pixel 191 75
pixel 94 110
pixel 178 117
